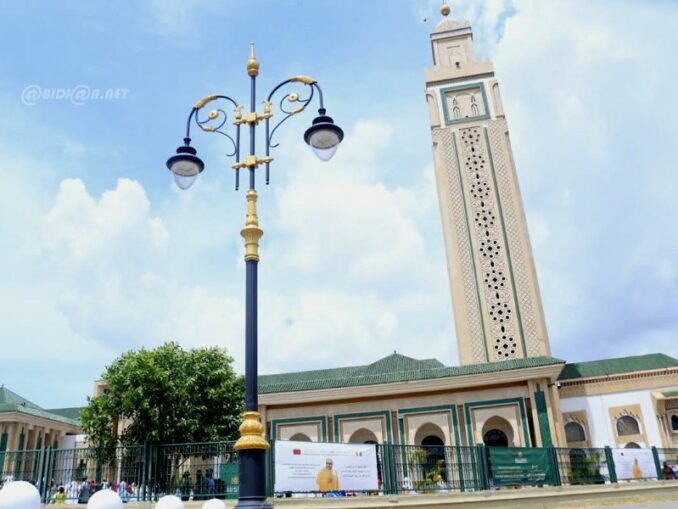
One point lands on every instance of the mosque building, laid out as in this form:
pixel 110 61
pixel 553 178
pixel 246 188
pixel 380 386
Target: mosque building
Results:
pixel 508 390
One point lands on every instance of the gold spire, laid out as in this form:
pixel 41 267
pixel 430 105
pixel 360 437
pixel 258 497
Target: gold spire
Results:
pixel 445 9
pixel 252 63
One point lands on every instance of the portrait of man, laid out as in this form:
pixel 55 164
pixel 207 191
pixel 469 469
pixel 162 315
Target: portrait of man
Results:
pixel 327 479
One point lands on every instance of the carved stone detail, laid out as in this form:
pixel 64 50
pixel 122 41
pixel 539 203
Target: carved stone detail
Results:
pixel 491 251
pixel 443 137
pixel 514 233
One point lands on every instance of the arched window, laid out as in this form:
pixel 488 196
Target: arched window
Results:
pixel 474 107
pixel 574 432
pixel 456 112
pixel 632 445
pixel 674 422
pixel 627 425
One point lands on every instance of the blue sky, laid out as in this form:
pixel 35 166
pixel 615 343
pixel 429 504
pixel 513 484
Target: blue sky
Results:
pixel 100 253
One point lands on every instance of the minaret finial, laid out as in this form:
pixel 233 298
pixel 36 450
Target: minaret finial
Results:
pixel 252 63
pixel 445 9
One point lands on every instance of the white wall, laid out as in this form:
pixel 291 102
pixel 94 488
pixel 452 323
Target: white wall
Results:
pixel 600 428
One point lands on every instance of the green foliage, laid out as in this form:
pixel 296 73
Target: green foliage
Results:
pixel 431 478
pixel 586 470
pixel 167 395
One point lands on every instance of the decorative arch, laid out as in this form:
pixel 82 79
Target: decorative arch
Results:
pixel 627 425
pixel 363 436
pixel 425 431
pixel 574 432
pixel 632 445
pixel 497 432
pixel 300 437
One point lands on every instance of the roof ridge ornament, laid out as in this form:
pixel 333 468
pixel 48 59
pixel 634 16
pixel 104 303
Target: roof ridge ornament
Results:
pixel 445 9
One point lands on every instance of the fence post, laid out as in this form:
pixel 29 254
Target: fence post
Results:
pixel 144 461
pixel 557 481
pixel 655 455
pixel 483 468
pixel 270 455
pixel 43 483
pixel 610 464
pixel 386 474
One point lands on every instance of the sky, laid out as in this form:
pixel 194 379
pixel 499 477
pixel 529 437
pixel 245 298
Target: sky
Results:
pixel 100 253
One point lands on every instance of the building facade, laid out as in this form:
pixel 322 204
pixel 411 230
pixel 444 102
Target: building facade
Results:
pixel 25 426
pixel 508 389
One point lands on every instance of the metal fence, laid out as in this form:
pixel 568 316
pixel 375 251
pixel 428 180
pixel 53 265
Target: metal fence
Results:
pixel 429 468
pixel 582 466
pixel 195 471
pixel 200 471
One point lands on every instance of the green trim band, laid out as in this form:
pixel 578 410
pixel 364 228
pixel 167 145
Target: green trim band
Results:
pixel 455 429
pixel 467 86
pixel 299 420
pixel 385 414
pixel 542 415
pixel 496 402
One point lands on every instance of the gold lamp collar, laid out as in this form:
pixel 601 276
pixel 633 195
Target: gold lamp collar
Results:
pixel 252 63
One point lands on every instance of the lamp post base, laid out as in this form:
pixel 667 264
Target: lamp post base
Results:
pixel 252 472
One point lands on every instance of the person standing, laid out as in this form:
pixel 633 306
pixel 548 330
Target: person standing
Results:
pixel 667 471
pixel 327 479
pixel 60 497
pixel 83 498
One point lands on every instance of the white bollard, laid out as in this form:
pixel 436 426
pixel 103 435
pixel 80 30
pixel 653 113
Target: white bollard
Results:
pixel 169 502
pixel 19 495
pixel 214 504
pixel 105 499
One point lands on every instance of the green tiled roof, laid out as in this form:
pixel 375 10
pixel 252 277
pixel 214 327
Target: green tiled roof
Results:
pixel 391 369
pixel 8 397
pixel 12 402
pixel 617 366
pixel 70 413
pixel 670 394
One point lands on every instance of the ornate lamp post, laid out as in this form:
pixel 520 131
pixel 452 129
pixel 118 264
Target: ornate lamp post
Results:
pixel 324 137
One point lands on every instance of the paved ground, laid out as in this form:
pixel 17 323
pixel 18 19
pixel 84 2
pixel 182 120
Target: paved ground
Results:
pixel 644 505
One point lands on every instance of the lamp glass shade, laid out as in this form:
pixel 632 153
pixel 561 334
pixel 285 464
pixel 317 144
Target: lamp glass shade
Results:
pixel 324 143
pixel 184 181
pixel 185 167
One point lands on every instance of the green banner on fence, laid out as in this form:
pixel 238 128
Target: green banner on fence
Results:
pixel 520 467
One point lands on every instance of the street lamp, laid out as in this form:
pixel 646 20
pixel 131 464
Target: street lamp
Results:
pixel 324 137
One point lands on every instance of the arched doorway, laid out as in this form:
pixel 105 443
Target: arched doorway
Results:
pixel 497 432
pixel 363 436
pixel 495 438
pixel 435 455
pixel 300 437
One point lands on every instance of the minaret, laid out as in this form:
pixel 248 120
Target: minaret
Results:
pixel 497 305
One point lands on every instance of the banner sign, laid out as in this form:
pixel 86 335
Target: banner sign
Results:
pixel 634 464
pixel 520 467
pixel 317 466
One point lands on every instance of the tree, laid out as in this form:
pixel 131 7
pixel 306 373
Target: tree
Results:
pixel 166 395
